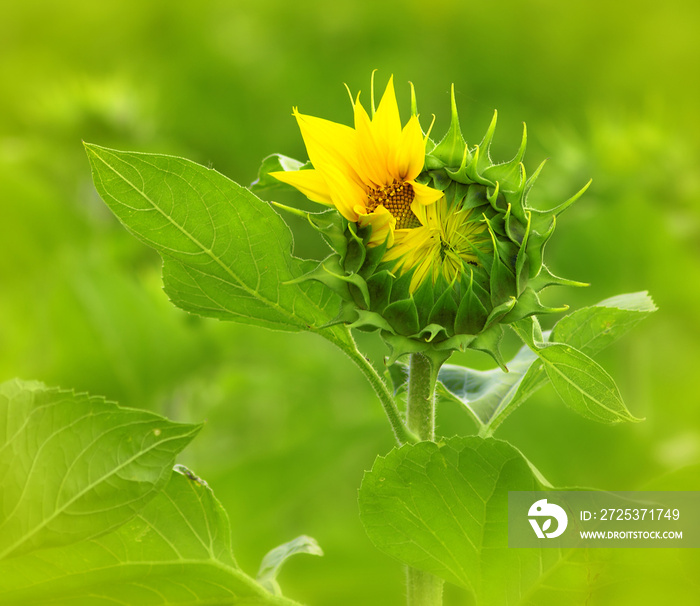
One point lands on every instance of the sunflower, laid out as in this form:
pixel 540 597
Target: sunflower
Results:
pixel 444 243
pixel 368 173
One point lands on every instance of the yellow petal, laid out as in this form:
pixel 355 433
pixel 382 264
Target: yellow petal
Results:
pixel 424 201
pixel 309 182
pixel 386 121
pixel 382 223
pixel 328 143
pixel 410 153
pixel 371 153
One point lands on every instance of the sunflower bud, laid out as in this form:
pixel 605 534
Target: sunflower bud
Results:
pixel 434 245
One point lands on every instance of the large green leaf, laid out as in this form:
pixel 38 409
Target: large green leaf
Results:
pixel 177 550
pixel 442 508
pixel 75 466
pixel 226 253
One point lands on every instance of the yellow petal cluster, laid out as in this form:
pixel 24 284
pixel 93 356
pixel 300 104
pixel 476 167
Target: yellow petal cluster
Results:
pixel 442 244
pixel 367 172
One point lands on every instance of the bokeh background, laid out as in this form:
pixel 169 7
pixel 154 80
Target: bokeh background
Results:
pixel 608 91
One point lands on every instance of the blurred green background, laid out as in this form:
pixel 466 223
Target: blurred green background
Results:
pixel 608 91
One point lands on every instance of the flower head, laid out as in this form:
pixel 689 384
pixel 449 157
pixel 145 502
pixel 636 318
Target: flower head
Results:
pixel 368 172
pixel 436 248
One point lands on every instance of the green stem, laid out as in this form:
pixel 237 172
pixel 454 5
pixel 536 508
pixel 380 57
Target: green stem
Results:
pixel 401 433
pixel 423 588
pixel 420 411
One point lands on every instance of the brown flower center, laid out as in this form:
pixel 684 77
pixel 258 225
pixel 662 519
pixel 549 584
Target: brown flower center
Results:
pixel 396 198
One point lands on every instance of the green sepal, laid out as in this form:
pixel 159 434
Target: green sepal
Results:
pixel 502 279
pixel 356 251
pixel 529 304
pixel 449 151
pixel 403 316
pixel 535 247
pixel 379 286
pixel 373 257
pixel 331 227
pixel 468 171
pixel 546 278
pixel 440 180
pixel 400 290
pixel 515 230
pixel 511 175
pixel 328 223
pixel 431 332
pixel 424 298
pixel 370 321
pixel 500 311
pixel 485 145
pixel 445 308
pixel 458 342
pixel 400 345
pixel 557 210
pixel 475 196
pixel 496 199
pixel 330 273
pixel 471 314
pixel 521 205
pixel 489 342
pixel 522 261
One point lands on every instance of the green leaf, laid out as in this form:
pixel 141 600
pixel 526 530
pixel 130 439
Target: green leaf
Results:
pixel 274 162
pixel 443 509
pixel 177 550
pixel 226 253
pixel 589 330
pixel 583 385
pixel 485 393
pixel 274 559
pixel 76 466
pixel 592 329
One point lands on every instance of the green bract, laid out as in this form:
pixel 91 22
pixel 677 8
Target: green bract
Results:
pixel 468 311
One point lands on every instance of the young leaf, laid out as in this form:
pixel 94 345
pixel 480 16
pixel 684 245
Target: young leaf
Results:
pixel 492 395
pixel 274 162
pixel 592 329
pixel 177 550
pixel 486 393
pixel 274 559
pixel 76 466
pixel 226 253
pixel 583 384
pixel 442 508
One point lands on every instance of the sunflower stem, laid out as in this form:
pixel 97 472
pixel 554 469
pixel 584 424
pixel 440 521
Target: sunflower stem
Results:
pixel 423 588
pixel 401 432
